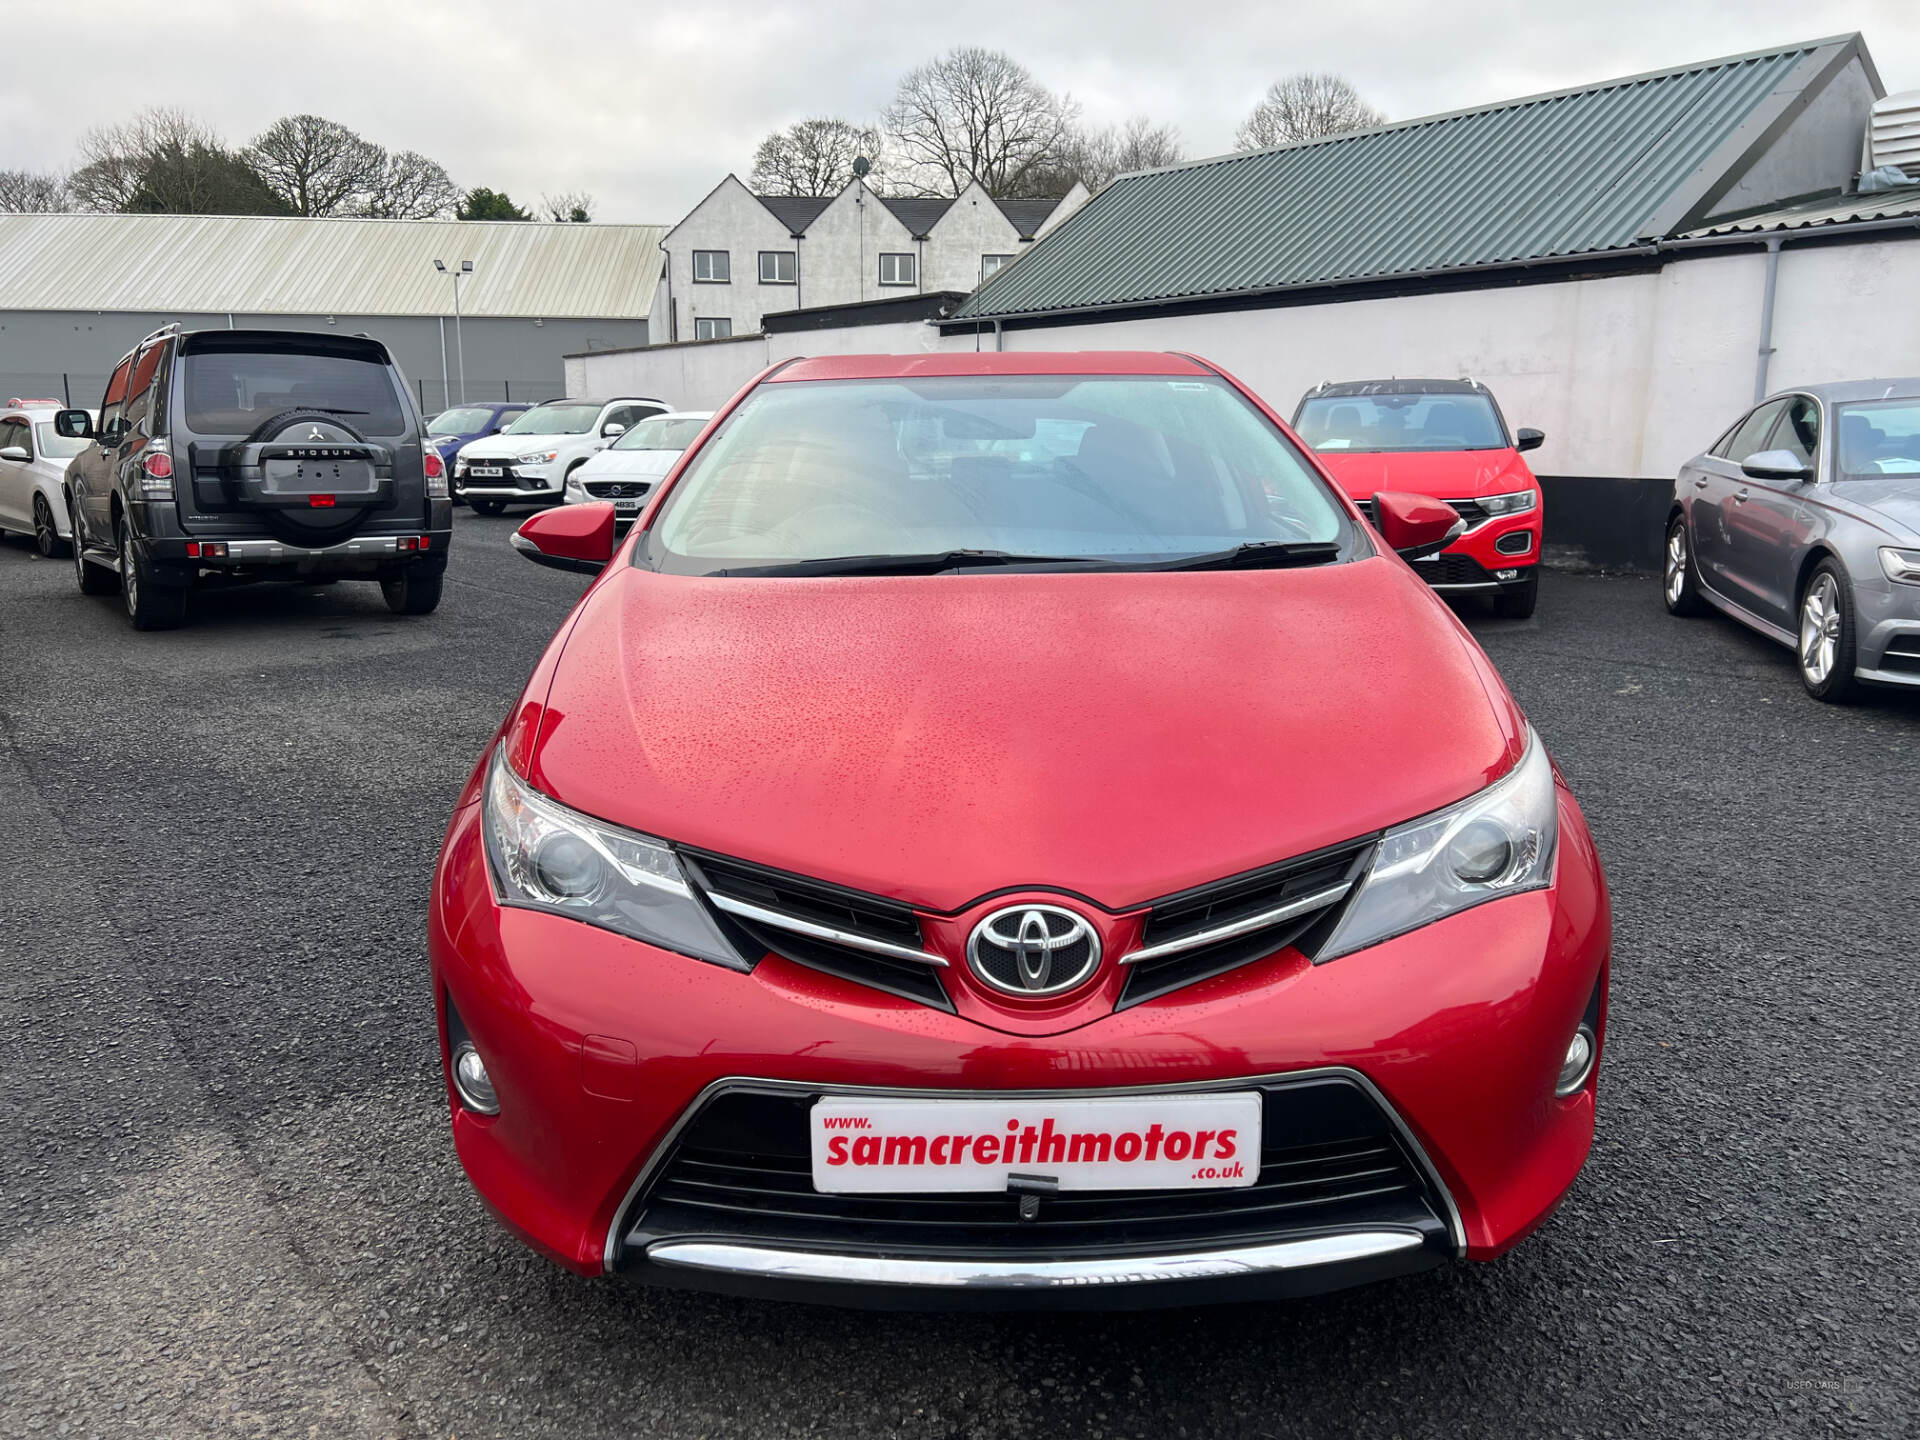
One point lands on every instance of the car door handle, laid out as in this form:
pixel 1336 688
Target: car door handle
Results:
pixel 1740 496
pixel 1699 484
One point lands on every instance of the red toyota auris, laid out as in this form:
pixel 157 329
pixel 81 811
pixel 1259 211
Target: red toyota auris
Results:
pixel 1003 829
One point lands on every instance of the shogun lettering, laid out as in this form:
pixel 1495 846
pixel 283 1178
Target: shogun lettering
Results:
pixel 1041 1145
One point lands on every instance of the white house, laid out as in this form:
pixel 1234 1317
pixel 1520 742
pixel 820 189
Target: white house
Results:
pixel 738 256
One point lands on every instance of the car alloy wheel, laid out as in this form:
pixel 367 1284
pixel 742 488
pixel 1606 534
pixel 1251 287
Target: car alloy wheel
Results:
pixel 1819 629
pixel 1676 564
pixel 129 573
pixel 46 535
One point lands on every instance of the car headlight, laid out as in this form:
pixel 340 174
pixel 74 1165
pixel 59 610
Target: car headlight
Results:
pixel 1902 566
pixel 539 457
pixel 1513 504
pixel 543 856
pixel 1499 842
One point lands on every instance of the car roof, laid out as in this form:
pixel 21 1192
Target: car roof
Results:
pixel 35 404
pixel 1396 387
pixel 990 362
pixel 682 415
pixel 1841 391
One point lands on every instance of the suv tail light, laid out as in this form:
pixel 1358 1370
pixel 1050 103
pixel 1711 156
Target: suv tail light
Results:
pixel 156 475
pixel 436 474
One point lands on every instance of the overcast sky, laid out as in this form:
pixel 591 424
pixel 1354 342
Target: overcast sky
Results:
pixel 648 105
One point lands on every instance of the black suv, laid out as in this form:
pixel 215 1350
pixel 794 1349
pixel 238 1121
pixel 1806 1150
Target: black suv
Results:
pixel 225 456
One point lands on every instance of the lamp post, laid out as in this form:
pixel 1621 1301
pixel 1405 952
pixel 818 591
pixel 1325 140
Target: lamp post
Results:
pixel 459 347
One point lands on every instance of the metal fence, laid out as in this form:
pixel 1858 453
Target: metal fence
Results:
pixel 84 391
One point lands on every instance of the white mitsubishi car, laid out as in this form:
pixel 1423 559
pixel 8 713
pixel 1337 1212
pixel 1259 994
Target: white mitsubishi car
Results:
pixel 528 462
pixel 33 465
pixel 627 470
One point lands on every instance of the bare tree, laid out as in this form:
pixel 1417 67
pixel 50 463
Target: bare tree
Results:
pixel 813 157
pixel 25 192
pixel 973 114
pixel 1096 157
pixel 114 158
pixel 1305 106
pixel 574 207
pixel 315 165
pixel 408 186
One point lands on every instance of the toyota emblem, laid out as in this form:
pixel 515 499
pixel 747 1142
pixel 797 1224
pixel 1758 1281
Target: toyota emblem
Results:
pixel 1033 950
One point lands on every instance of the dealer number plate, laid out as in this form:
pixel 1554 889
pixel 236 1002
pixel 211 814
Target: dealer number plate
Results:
pixel 1122 1142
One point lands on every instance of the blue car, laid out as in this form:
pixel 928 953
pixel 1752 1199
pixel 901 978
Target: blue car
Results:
pixel 451 429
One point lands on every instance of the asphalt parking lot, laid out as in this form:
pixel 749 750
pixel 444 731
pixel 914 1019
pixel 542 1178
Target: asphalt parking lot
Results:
pixel 230 1204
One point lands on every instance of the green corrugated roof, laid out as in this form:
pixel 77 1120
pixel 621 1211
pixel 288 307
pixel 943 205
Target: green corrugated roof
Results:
pixel 1578 172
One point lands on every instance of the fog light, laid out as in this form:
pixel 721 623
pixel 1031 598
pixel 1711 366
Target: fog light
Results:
pixel 470 1080
pixel 1506 574
pixel 1578 1065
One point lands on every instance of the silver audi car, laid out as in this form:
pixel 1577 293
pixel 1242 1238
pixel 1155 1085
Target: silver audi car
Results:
pixel 1802 521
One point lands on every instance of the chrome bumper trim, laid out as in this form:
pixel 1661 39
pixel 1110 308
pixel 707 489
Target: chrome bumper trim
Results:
pixel 1030 1274
pixel 1456 1227
pixel 243 550
pixel 775 918
pixel 1320 899
pixel 1454 589
pixel 506 492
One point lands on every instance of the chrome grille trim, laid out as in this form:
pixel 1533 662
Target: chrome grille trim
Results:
pixel 780 921
pixel 1246 925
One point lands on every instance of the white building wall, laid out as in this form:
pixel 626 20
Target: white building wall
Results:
pixel 729 219
pixel 972 227
pixel 840 255
pixel 1070 202
pixel 1628 375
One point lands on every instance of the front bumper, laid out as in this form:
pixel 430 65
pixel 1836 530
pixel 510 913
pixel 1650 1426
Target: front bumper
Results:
pixel 519 483
pixel 603 1049
pixel 1888 617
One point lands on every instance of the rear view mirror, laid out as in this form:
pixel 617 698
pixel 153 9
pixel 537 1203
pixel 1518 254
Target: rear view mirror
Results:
pixel 1526 439
pixel 569 537
pixel 1776 465
pixel 1417 525
pixel 613 428
pixel 73 424
pixel 15 452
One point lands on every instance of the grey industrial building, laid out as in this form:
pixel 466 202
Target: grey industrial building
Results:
pixel 77 290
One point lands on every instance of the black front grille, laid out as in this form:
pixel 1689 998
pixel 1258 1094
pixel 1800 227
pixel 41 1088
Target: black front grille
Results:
pixel 617 489
pixel 1447 569
pixel 1471 511
pixel 815 901
pixel 1371 511
pixel 1330 1158
pixel 1902 654
pixel 1224 902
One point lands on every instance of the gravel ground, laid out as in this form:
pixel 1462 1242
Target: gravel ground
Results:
pixel 230 1205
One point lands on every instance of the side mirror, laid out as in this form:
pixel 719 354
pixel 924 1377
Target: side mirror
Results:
pixel 74 425
pixel 569 537
pixel 15 452
pixel 612 429
pixel 1417 525
pixel 1525 439
pixel 1776 465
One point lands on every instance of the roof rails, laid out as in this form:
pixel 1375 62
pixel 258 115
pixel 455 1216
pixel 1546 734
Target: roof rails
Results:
pixel 172 327
pixel 16 403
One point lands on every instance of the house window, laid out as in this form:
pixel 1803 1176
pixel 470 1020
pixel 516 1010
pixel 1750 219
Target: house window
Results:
pixel 712 267
pixel 712 327
pixel 896 270
pixel 990 265
pixel 779 267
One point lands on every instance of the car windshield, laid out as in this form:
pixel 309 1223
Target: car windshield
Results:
pixel 555 420
pixel 1057 469
pixel 1880 438
pixel 463 421
pixel 1373 423
pixel 55 446
pixel 232 389
pixel 661 433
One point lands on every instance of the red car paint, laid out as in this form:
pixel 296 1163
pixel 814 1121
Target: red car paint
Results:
pixel 1450 475
pixel 1141 733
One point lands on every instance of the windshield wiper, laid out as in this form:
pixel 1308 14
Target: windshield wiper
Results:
pixel 1257 555
pixel 931 563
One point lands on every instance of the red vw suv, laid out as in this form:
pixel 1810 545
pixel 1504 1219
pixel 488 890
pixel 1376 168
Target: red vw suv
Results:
pixel 1002 830
pixel 1447 439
